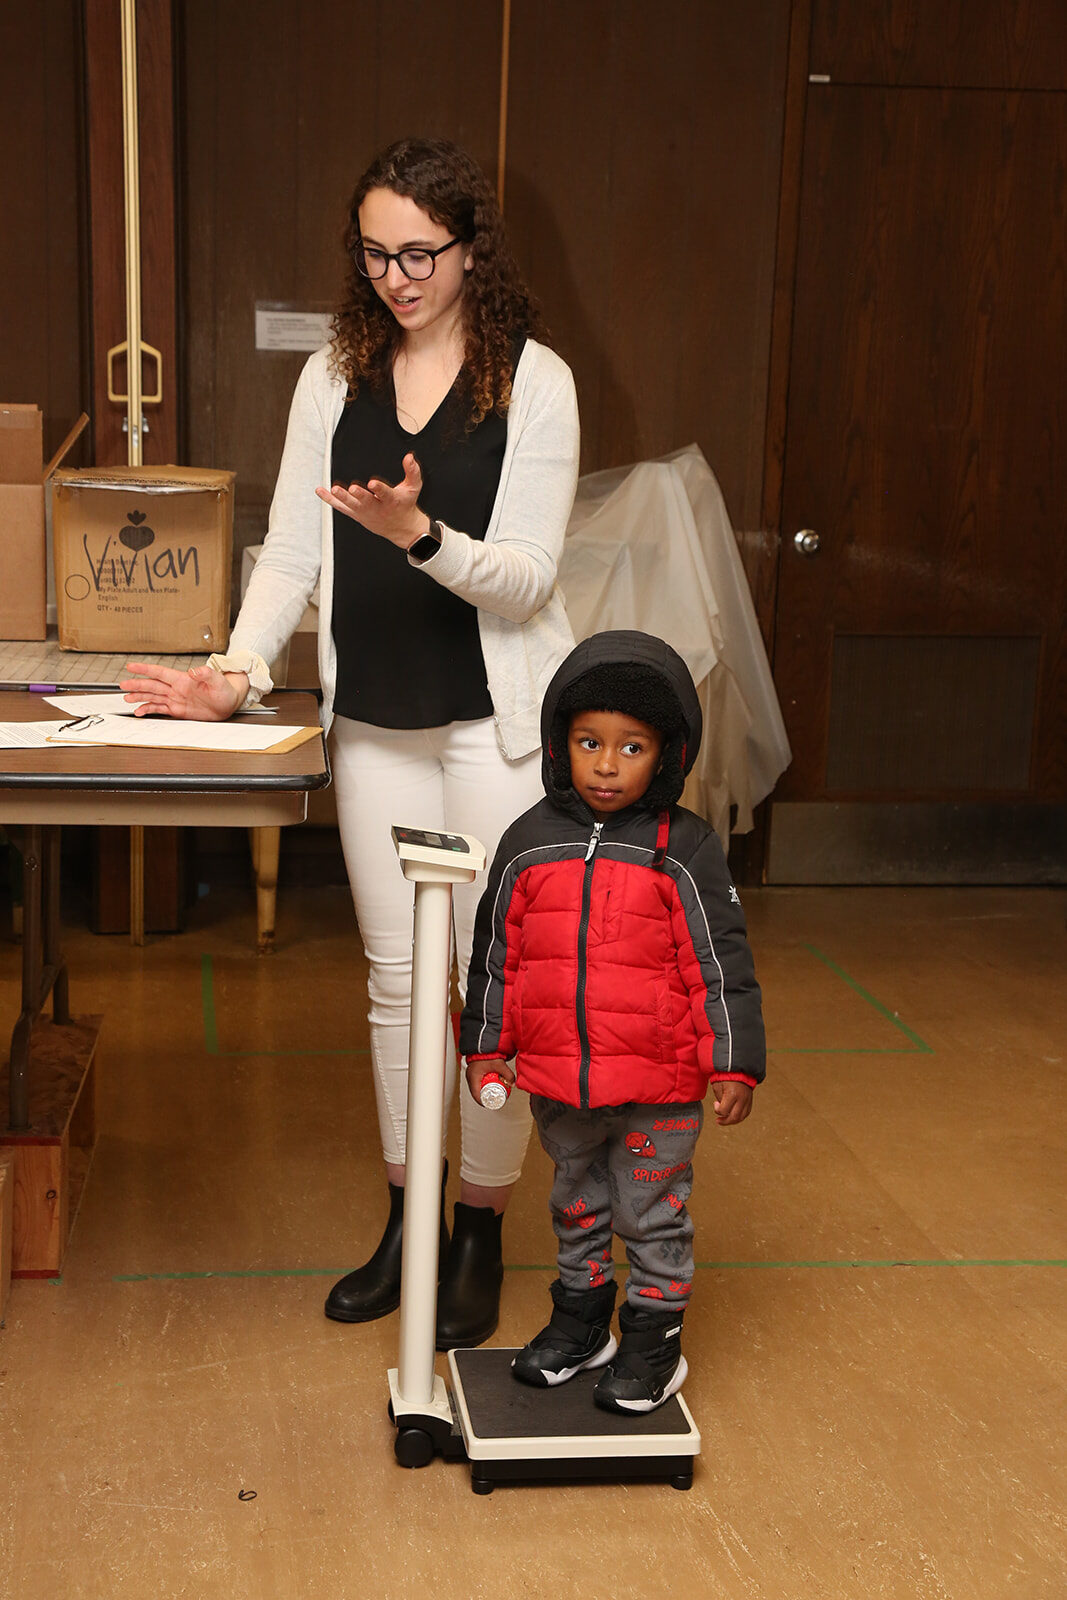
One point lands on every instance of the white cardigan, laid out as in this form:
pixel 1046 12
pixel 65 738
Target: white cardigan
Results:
pixel 510 576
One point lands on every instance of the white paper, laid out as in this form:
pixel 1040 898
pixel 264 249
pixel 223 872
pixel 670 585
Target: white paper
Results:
pixel 166 733
pixel 91 705
pixel 30 735
pixel 117 705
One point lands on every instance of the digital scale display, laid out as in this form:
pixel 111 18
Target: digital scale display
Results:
pixel 432 841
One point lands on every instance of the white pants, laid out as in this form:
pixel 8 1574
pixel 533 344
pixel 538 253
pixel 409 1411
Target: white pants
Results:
pixel 453 779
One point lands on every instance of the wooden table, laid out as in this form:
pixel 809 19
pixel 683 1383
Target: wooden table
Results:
pixel 40 790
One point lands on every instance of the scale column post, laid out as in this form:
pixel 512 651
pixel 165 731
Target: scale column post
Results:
pixel 425 1128
pixel 434 867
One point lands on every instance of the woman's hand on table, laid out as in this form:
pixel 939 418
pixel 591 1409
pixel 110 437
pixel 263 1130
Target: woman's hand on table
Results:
pixel 202 694
pixel 389 510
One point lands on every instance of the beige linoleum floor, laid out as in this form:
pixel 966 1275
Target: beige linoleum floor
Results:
pixel 876 1342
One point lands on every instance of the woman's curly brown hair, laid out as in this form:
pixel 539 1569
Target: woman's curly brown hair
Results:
pixel 496 306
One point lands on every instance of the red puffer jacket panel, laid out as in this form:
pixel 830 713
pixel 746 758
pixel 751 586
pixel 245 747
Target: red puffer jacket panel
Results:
pixel 620 985
pixel 610 980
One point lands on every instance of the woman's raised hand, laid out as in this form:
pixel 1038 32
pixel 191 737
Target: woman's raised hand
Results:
pixel 200 695
pixel 389 510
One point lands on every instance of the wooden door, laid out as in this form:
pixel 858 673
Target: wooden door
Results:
pixel 919 650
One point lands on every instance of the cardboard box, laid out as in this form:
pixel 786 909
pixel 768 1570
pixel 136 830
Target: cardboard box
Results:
pixel 142 558
pixel 23 538
pixel 23 568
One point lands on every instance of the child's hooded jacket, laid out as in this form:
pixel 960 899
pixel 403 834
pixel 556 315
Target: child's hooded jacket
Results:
pixel 610 959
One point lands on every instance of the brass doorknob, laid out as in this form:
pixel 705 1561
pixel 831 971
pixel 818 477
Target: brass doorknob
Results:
pixel 807 542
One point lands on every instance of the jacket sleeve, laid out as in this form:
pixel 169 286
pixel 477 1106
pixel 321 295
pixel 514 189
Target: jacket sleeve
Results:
pixel 716 964
pixel 487 1025
pixel 288 569
pixel 512 572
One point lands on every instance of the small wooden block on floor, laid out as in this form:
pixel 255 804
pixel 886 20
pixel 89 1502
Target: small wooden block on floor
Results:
pixel 51 1161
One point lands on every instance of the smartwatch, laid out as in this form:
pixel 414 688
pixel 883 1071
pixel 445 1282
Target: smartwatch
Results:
pixel 428 545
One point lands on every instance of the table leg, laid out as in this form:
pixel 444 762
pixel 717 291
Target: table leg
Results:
pixel 53 955
pixel 18 1070
pixel 44 971
pixel 266 849
pixel 137 886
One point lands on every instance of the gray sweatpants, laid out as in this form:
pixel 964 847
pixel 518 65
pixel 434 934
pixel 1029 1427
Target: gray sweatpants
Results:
pixel 626 1170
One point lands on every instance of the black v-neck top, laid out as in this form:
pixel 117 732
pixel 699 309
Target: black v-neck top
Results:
pixel 408 651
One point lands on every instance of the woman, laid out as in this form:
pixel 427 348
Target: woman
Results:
pixel 449 437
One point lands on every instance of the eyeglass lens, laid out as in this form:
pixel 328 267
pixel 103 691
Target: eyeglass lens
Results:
pixel 413 263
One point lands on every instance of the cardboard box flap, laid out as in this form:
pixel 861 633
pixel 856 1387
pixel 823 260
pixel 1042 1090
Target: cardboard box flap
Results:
pixel 75 433
pixel 147 480
pixel 21 432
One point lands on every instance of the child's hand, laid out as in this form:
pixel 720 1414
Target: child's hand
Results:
pixel 476 1071
pixel 733 1102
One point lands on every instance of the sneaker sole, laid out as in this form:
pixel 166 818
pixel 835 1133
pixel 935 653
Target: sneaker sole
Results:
pixel 678 1377
pixel 549 1380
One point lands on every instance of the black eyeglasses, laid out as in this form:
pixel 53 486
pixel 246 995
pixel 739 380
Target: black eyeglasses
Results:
pixel 416 264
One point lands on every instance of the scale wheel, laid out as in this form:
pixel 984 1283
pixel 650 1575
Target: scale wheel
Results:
pixel 413 1448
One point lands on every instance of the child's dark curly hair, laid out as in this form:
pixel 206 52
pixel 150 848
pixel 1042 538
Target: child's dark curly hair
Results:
pixel 447 184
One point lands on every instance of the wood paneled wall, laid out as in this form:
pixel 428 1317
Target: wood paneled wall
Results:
pixel 953 44
pixel 43 280
pixel 642 172
pixel 643 157
pixel 279 121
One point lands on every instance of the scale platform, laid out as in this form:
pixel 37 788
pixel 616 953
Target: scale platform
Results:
pixel 514 1433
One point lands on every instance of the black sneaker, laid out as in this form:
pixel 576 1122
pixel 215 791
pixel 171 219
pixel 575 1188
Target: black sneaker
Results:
pixel 578 1336
pixel 649 1366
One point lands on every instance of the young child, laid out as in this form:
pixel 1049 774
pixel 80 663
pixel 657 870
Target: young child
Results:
pixel 610 961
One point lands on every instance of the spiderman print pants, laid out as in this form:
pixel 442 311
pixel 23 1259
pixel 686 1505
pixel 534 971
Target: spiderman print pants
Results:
pixel 626 1170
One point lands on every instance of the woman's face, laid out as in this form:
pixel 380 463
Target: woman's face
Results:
pixel 393 222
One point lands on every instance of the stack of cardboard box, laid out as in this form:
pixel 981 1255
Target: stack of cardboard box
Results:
pixel 141 555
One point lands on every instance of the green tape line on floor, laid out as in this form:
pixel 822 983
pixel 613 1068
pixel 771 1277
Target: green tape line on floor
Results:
pixel 211 1031
pixel 702 1266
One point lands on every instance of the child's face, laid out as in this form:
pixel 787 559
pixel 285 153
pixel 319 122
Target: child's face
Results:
pixel 614 758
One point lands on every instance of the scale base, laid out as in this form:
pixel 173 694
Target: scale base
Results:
pixel 517 1434
pixel 423 1432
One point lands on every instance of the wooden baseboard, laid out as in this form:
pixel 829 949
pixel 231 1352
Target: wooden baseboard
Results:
pixel 7 1218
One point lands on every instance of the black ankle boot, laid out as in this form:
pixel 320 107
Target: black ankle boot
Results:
pixel 648 1366
pixel 373 1290
pixel 468 1298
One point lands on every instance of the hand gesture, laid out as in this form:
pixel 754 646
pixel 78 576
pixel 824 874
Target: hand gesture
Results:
pixel 476 1071
pixel 200 695
pixel 733 1102
pixel 391 511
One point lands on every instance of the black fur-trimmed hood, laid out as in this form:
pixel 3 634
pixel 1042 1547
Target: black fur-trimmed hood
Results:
pixel 631 671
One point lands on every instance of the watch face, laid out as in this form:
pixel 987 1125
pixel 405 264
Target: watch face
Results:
pixel 428 545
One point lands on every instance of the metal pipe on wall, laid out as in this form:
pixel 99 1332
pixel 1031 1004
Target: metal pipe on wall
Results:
pixel 134 414
pixel 502 126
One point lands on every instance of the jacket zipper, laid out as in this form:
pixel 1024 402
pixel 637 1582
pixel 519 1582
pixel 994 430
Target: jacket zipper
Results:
pixel 579 999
